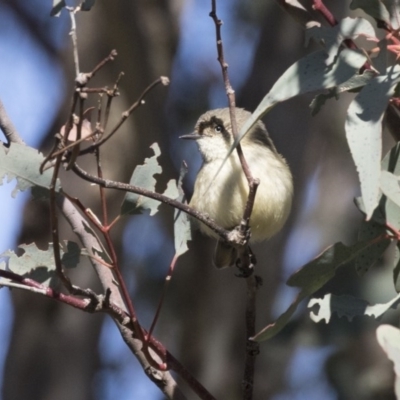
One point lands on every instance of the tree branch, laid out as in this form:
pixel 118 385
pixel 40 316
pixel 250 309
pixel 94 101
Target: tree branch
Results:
pixel 8 127
pixel 205 219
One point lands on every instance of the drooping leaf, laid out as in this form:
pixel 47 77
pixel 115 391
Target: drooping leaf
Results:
pixel 310 278
pixel 380 62
pixel 182 229
pixel 297 11
pixel 348 306
pixel 332 37
pixel 363 130
pixel 22 163
pixel 396 269
pixel 355 82
pixel 58 5
pixel 309 74
pixel 373 233
pixel 374 8
pixel 390 187
pixel 390 210
pixel 143 176
pixel 39 265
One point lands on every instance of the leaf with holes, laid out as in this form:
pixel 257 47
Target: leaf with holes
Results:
pixel 39 265
pixel 143 177
pixel 310 278
pixel 22 163
pixel 347 306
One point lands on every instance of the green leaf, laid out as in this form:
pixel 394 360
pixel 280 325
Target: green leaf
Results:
pixel 348 306
pixel 309 74
pixel 22 163
pixel 363 129
pixel 143 176
pixel 389 339
pixel 396 269
pixel 71 253
pixel 391 164
pixel 374 8
pixel 182 228
pixel 332 37
pixel 39 265
pixel 58 5
pixel 390 187
pixel 372 233
pixel 355 82
pixel 310 278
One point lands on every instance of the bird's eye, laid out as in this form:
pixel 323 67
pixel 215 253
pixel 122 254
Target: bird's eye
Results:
pixel 218 128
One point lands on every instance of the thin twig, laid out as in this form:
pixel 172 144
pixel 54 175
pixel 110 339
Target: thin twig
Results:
pixel 252 347
pixel 8 127
pixel 74 40
pixel 101 64
pixel 116 307
pixel 110 97
pixel 31 285
pixel 126 114
pixel 166 284
pixel 204 218
pixel 253 183
pixel 319 6
pixel 246 264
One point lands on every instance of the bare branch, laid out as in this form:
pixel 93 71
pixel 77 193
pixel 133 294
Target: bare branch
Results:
pixel 140 101
pixel 246 264
pixel 8 127
pixel 223 233
pixel 253 183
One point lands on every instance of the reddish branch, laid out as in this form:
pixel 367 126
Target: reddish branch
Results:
pixel 318 5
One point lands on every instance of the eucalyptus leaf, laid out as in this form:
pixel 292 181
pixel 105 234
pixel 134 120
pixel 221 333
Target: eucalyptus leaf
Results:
pixel 309 74
pixel 390 210
pixel 374 8
pixel 39 265
pixel 390 187
pixel 396 269
pixel 348 306
pixel 389 339
pixel 182 228
pixel 355 82
pixel 143 176
pixel 22 163
pixel 363 130
pixel 310 278
pixel 374 234
pixel 333 37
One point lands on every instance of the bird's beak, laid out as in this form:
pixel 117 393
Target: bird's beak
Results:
pixel 191 136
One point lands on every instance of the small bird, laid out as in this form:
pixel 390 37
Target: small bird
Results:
pixel 223 196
